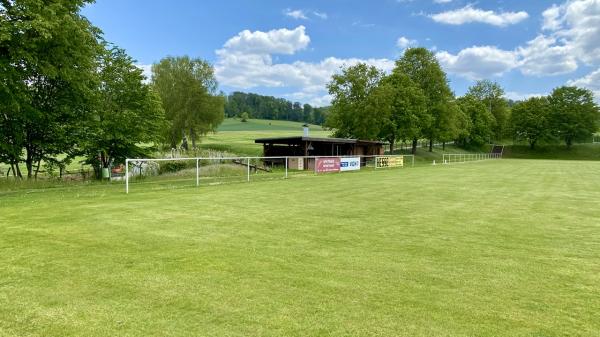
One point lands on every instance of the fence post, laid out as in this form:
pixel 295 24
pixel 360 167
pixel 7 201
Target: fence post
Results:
pixel 286 167
pixel 126 176
pixel 197 172
pixel 248 166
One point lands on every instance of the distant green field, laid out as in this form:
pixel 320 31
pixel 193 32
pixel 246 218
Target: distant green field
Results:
pixel 235 124
pixel 498 248
pixel 238 137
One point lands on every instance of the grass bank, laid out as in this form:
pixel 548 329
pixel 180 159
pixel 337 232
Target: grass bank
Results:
pixel 498 248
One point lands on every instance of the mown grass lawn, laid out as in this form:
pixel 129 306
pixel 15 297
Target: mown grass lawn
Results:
pixel 498 248
pixel 235 136
pixel 236 124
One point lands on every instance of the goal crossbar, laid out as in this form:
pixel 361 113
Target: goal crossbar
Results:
pixel 247 160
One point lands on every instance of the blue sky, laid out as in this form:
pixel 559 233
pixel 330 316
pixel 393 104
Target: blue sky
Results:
pixel 291 48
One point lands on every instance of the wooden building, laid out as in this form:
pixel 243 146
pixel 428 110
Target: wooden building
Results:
pixel 302 146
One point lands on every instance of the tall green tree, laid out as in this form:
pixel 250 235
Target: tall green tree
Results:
pixel 574 115
pixel 128 117
pixel 422 67
pixel 530 120
pixel 350 114
pixel 491 94
pixel 47 63
pixel 402 104
pixel 480 121
pixel 307 113
pixel 188 90
pixel 456 123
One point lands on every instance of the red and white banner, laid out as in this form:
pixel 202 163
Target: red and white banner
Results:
pixel 326 165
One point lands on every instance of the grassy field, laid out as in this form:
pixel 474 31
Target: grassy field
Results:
pixel 498 248
pixel 560 152
pixel 235 124
pixel 236 137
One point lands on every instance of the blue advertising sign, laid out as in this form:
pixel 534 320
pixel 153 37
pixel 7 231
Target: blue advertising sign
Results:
pixel 350 164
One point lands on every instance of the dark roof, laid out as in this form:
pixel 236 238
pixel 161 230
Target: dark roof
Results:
pixel 297 139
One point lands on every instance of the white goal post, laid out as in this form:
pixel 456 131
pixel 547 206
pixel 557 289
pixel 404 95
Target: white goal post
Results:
pixel 317 164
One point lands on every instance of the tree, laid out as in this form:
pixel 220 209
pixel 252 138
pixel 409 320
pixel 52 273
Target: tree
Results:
pixel 480 121
pixel 456 124
pixel 188 90
pixel 127 115
pixel 269 107
pixel 307 113
pixel 422 67
pixel 244 116
pixel 491 95
pixel 319 115
pixel 47 65
pixel 574 115
pixel 530 119
pixel 402 105
pixel 350 114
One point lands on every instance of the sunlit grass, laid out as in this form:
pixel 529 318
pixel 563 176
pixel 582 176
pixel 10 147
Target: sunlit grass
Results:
pixel 498 248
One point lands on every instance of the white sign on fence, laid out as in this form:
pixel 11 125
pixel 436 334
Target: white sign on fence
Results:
pixel 350 164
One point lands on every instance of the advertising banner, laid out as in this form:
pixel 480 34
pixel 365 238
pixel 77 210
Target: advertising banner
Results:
pixel 383 162
pixel 326 165
pixel 350 164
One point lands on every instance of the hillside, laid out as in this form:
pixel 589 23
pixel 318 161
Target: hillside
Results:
pixel 235 124
pixel 237 137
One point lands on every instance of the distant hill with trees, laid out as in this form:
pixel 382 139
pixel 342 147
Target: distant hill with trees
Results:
pixel 272 108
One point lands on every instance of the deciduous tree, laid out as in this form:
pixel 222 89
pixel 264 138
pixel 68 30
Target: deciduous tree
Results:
pixel 47 62
pixel 402 104
pixel 350 114
pixel 188 90
pixel 480 121
pixel 422 67
pixel 574 114
pixel 530 120
pixel 491 95
pixel 128 117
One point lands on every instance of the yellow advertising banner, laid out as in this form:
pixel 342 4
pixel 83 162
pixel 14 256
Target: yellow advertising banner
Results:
pixel 383 162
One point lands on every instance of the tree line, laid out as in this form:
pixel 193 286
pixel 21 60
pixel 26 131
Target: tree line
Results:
pixel 272 108
pixel 66 93
pixel 415 102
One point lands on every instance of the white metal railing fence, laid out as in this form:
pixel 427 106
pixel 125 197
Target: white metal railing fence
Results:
pixel 309 164
pixel 453 158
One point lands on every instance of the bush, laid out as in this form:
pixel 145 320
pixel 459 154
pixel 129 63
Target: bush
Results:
pixel 172 166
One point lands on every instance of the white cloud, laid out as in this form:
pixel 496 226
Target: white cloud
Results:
pixel 518 96
pixel 542 56
pixel 581 29
pixel 571 37
pixel 469 14
pixel 590 81
pixel 363 25
pixel 246 62
pixel 478 62
pixel 300 14
pixel 442 1
pixel 277 41
pixel 552 19
pixel 297 14
pixel 146 71
pixel 404 42
pixel 321 15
